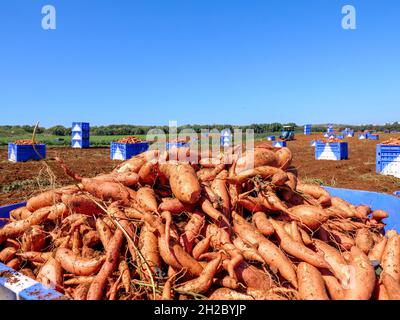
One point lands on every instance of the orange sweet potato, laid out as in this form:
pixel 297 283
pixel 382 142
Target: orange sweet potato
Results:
pixel 311 283
pixel 78 265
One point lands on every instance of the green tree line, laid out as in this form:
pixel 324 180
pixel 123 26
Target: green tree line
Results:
pixel 125 129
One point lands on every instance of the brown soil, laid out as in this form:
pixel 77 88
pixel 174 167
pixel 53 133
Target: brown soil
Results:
pixel 19 181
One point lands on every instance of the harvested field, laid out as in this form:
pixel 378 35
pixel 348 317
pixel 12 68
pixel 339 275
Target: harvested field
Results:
pixel 19 181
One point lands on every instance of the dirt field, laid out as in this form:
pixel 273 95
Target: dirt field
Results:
pixel 19 181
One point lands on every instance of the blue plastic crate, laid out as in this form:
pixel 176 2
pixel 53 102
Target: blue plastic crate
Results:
pixel 14 285
pixel 125 151
pixel 373 137
pixel 362 136
pixel 279 144
pixel 331 151
pixel 375 200
pixel 350 134
pixel 271 138
pixel 307 132
pixel 388 160
pixel 80 127
pixel 326 135
pixel 80 144
pixel 340 136
pixel 22 153
pixel 181 144
pixel 330 130
pixel 397 193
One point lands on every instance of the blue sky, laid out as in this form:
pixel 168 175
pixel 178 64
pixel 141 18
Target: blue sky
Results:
pixel 199 61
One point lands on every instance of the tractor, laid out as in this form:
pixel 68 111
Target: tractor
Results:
pixel 287 133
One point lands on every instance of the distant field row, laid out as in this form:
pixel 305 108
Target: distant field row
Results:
pixel 96 141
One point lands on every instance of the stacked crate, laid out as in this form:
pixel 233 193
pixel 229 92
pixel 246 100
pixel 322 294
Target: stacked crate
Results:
pixel 307 129
pixel 330 129
pixel 226 138
pixel 271 138
pixel 80 135
pixel 388 160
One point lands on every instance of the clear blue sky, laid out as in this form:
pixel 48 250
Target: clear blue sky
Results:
pixel 199 61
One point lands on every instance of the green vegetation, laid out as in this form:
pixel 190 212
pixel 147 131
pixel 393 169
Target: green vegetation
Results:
pixel 103 135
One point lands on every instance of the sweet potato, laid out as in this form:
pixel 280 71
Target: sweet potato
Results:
pixel 45 199
pixel 379 215
pixel 125 275
pixel 344 206
pixel 298 250
pixel 209 174
pixel 284 157
pixel 262 224
pixel 252 277
pixel 50 274
pixel 315 191
pixel 220 188
pixel 80 292
pixel 106 190
pixel 248 252
pixel 364 240
pixel 278 176
pixel 256 158
pixel 337 263
pixel 77 265
pixel 33 256
pixel 104 231
pixel 192 230
pixel 376 253
pixel 295 233
pixel 146 198
pixel 391 285
pixel 96 289
pixel 34 239
pixel 343 241
pixel 148 246
pixel 184 183
pixel 229 294
pixel 7 254
pixel 391 258
pixel 201 247
pixel 308 216
pixel 204 281
pixel 362 280
pixel 363 211
pixel 332 284
pixel 174 206
pixel 305 237
pixel 380 292
pixel 79 280
pixel 79 203
pixel 311 284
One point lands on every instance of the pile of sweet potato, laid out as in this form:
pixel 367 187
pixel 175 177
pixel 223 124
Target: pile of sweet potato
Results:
pixel 25 142
pixel 163 226
pixel 130 140
pixel 392 141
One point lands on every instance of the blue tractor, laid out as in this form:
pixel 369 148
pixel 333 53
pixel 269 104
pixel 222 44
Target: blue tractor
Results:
pixel 287 133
